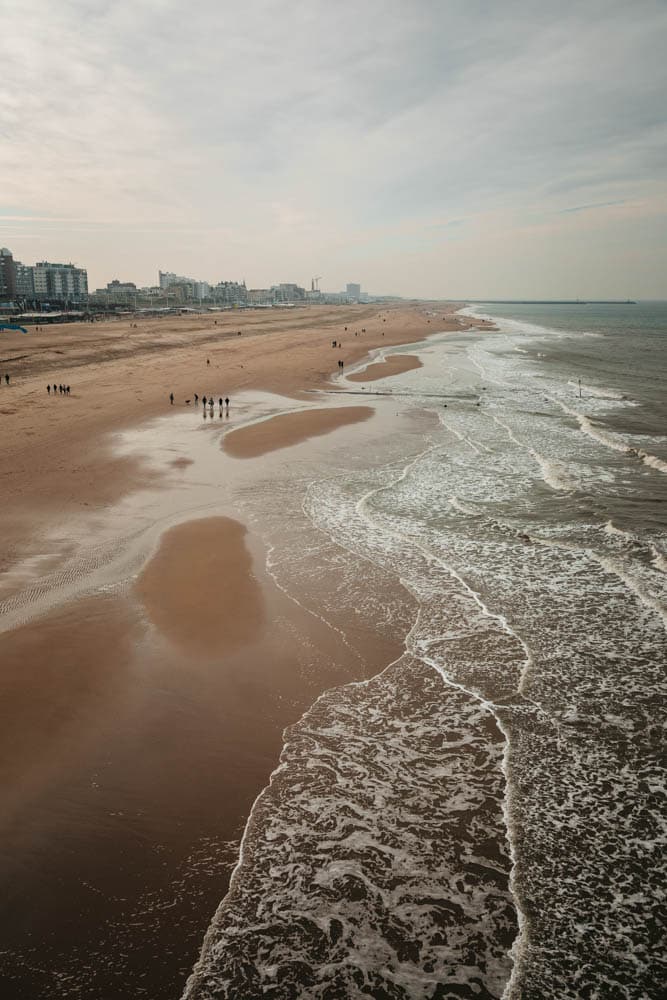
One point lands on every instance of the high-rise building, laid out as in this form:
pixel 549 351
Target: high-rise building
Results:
pixel 60 282
pixel 7 275
pixel 353 291
pixel 25 280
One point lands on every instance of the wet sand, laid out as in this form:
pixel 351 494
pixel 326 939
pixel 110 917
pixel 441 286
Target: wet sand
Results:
pixel 395 364
pixel 55 450
pixel 289 429
pixel 140 725
pixel 137 750
pixel 198 588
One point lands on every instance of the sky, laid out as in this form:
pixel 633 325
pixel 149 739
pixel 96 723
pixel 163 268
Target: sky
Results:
pixel 424 148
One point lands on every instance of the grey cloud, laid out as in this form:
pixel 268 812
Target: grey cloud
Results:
pixel 350 117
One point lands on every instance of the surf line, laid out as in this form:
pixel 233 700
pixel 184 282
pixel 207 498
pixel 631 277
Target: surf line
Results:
pixel 508 807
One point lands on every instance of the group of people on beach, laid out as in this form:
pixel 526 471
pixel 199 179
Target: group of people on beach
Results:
pixel 206 401
pixel 62 389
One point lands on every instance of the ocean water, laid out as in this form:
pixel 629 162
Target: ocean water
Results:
pixel 485 818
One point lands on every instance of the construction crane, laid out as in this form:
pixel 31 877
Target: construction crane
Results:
pixel 314 287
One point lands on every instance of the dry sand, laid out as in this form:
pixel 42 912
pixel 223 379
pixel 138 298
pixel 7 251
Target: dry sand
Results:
pixel 140 727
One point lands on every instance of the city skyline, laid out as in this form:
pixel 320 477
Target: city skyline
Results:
pixel 60 282
pixel 436 151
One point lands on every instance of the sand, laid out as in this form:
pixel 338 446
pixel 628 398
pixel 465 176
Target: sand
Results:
pixel 395 364
pixel 198 588
pixel 139 725
pixel 290 428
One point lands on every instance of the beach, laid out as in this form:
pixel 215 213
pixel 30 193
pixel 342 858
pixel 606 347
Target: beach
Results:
pixel 352 687
pixel 130 760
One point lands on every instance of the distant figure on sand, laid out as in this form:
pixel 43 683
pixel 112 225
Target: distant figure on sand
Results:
pixel 67 390
pixel 55 388
pixel 171 398
pixel 226 402
pixel 196 399
pixel 7 379
pixel 203 399
pixel 220 402
pixel 208 361
pixel 48 389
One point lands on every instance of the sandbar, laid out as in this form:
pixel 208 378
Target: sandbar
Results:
pixel 198 588
pixel 290 428
pixel 395 364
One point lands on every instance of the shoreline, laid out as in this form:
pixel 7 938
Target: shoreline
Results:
pixel 169 671
pixel 56 450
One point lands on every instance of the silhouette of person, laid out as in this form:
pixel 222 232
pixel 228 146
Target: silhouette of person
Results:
pixel 203 399
pixel 7 379
pixel 68 390
pixel 196 400
pixel 220 402
pixel 226 402
pixel 48 389
pixel 55 387
pixel 171 398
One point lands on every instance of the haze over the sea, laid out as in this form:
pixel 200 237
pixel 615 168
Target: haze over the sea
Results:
pixel 454 149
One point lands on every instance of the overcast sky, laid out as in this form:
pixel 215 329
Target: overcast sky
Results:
pixel 431 148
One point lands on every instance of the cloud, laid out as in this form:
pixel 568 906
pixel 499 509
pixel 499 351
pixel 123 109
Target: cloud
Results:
pixel 282 134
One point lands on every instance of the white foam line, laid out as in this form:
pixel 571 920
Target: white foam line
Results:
pixel 659 559
pixel 553 477
pixel 519 944
pixel 611 565
pixel 611 441
pixel 235 875
pixel 611 529
pixel 458 434
pixel 457 505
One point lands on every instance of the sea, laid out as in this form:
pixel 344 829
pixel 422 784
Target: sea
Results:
pixel 485 817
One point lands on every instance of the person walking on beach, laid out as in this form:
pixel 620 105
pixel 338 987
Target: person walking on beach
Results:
pixel 203 399
pixel 196 400
pixel 68 390
pixel 208 361
pixel 6 379
pixel 54 388
pixel 220 402
pixel 48 389
pixel 171 398
pixel 227 402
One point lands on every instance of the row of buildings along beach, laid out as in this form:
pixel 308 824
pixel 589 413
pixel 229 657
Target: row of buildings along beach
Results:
pixel 44 287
